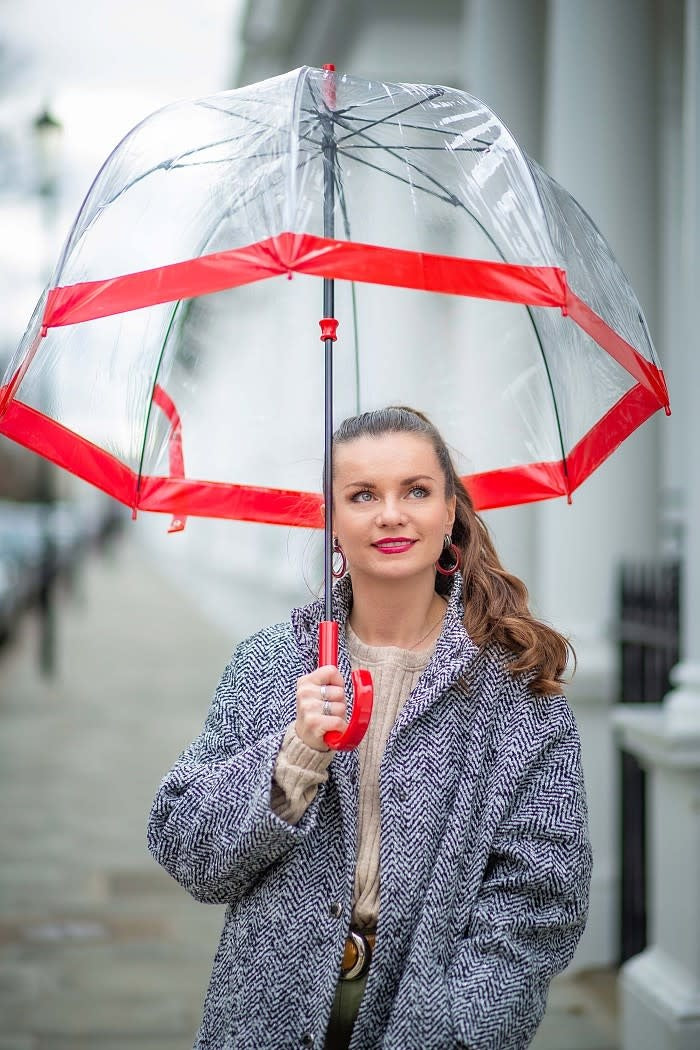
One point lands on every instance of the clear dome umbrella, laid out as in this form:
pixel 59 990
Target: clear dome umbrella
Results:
pixel 461 279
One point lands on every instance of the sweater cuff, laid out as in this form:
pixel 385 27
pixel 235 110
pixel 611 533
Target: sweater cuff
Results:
pixel 294 752
pixel 299 770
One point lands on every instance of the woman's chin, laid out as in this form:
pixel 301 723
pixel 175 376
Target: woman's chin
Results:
pixel 394 567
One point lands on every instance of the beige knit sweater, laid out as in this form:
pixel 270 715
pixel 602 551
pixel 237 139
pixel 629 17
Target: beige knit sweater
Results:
pixel 300 769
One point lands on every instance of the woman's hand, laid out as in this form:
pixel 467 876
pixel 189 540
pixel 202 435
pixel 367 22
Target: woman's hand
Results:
pixel 311 725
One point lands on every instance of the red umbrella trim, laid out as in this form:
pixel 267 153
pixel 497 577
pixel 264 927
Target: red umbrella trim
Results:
pixel 181 496
pixel 291 253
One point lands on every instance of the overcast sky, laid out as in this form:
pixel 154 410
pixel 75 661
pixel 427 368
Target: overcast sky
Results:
pixel 102 65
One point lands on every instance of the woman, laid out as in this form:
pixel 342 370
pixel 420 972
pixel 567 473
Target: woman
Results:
pixel 422 890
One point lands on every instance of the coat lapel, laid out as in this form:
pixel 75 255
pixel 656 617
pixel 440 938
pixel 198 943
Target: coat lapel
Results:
pixel 451 661
pixel 452 658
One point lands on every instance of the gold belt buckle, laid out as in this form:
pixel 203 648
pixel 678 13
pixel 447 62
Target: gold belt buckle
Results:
pixel 361 964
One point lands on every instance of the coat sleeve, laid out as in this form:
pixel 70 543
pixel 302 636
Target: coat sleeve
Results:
pixel 211 825
pixel 532 905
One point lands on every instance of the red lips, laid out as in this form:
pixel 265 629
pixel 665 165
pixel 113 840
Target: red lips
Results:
pixel 394 544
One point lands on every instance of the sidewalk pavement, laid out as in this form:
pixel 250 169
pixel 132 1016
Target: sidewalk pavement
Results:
pixel 99 948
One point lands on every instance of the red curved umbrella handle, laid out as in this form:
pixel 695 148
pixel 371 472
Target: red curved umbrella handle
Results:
pixel 363 691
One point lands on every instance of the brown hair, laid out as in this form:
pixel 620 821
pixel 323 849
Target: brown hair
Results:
pixel 495 602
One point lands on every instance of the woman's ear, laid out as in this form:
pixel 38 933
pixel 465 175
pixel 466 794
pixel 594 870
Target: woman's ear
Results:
pixel 452 512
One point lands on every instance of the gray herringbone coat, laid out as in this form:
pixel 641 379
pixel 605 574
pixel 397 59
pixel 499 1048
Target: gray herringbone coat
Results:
pixel 484 856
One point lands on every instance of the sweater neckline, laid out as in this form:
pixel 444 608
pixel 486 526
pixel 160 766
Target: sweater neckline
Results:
pixel 382 654
pixel 454 650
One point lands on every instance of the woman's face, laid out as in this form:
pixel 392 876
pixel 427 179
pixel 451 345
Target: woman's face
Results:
pixel 390 512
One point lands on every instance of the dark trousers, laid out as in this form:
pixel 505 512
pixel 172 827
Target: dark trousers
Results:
pixel 348 995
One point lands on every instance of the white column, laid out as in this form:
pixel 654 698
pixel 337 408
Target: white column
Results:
pixel 671 343
pixel 502 64
pixel 599 144
pixel 684 702
pixel 502 51
pixel 661 986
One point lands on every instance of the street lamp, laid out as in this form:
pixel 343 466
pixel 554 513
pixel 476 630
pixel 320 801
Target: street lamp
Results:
pixel 47 133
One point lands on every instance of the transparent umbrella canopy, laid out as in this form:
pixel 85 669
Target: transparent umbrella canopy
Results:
pixel 467 283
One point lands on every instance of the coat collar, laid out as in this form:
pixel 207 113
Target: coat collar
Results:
pixel 454 646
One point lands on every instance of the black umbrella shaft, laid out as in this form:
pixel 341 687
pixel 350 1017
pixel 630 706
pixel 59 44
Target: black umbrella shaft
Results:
pixel 329 150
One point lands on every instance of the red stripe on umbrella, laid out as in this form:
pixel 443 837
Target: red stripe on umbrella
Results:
pixel 304 253
pixel 181 496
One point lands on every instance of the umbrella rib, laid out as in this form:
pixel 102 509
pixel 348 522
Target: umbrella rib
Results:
pixel 427 127
pixel 441 149
pixel 366 102
pixel 233 138
pixel 222 160
pixel 437 93
pixel 246 202
pixel 381 120
pixel 409 164
pixel 174 162
pixel 346 111
pixel 369 101
pixel 244 116
pixel 319 104
pixel 174 165
pixel 555 406
pixel 407 182
pixel 149 410
pixel 228 138
pixel 163 166
pixel 449 197
pixel 305 137
pixel 253 120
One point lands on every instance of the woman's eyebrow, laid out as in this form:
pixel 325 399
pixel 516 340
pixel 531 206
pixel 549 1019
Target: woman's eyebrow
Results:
pixel 405 481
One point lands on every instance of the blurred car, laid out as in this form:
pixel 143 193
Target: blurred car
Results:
pixel 41 544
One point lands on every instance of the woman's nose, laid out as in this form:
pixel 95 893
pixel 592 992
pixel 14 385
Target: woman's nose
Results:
pixel 391 512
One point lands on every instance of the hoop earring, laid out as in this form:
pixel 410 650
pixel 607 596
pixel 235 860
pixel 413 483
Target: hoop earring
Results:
pixel 337 549
pixel 448 545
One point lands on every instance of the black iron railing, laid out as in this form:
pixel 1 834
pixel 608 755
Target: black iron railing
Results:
pixel 648 636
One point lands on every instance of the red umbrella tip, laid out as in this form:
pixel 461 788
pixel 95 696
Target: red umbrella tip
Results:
pixel 330 67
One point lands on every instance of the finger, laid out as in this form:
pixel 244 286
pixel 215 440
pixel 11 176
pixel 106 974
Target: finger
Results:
pixel 327 675
pixel 338 725
pixel 312 711
pixel 336 709
pixel 312 691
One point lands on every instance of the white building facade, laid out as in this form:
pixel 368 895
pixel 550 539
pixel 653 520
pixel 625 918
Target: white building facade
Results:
pixel 606 95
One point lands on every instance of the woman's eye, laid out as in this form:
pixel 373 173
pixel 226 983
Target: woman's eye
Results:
pixel 362 497
pixel 418 491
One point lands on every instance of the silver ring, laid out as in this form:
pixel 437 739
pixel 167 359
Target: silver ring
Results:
pixel 327 707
